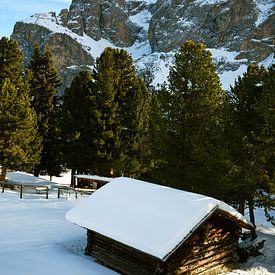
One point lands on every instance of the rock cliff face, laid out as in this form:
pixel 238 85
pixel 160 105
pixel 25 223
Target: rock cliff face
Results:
pixel 236 31
pixel 102 19
pixel 224 23
pixel 68 56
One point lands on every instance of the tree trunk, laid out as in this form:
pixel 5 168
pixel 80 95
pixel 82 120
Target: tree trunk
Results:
pixel 3 173
pixel 252 217
pixel 73 171
pixel 241 206
pixel 251 211
pixel 36 172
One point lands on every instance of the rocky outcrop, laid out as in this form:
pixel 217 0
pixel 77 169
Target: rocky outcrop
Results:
pixel 150 29
pixel 101 19
pixel 230 24
pixel 66 51
pixel 68 55
pixel 261 42
pixel 28 35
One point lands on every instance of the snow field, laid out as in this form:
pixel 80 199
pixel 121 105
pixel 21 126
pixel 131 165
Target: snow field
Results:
pixel 35 238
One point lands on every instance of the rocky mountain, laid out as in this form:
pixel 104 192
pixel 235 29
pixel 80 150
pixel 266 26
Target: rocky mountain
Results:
pixel 237 32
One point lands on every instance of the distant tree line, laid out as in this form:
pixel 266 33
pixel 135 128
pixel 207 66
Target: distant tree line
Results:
pixel 189 134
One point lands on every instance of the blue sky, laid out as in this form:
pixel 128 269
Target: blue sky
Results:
pixel 16 10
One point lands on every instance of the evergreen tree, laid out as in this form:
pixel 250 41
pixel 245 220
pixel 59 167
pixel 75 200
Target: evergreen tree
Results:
pixel 78 126
pixel 157 138
pixel 19 142
pixel 123 102
pixel 253 153
pixel 44 81
pixel 11 59
pixel 53 159
pixel 160 126
pixel 194 122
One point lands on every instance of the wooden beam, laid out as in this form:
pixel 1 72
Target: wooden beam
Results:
pixel 21 191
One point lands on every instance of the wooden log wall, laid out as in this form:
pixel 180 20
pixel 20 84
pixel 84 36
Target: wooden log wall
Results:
pixel 120 257
pixel 213 245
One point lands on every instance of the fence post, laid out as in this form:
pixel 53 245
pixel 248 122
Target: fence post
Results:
pixel 58 193
pixel 3 187
pixel 21 191
pixel 47 193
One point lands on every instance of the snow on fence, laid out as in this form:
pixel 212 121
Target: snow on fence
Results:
pixel 45 189
pixel 25 182
pixel 38 188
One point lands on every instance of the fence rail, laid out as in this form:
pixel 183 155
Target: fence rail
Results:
pixel 42 188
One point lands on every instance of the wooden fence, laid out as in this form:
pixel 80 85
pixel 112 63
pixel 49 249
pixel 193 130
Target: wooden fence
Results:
pixel 38 188
pixel 45 189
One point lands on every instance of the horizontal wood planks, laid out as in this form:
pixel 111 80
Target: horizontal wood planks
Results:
pixel 213 245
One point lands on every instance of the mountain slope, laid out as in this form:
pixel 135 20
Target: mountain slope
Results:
pixel 236 32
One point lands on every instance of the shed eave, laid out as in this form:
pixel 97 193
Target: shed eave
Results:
pixel 165 258
pixel 241 223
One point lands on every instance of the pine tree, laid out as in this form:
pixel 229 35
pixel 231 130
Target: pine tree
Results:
pixel 254 120
pixel 78 126
pixel 107 140
pixel 157 138
pixel 159 129
pixel 10 59
pixel 44 81
pixel 265 106
pixel 122 117
pixel 266 137
pixel 53 159
pixel 19 142
pixel 193 121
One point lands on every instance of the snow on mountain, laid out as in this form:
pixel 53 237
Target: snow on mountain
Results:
pixel 265 9
pixel 142 19
pixel 268 61
pixel 238 67
pixel 236 32
pixel 52 23
pixel 158 63
pixel 208 2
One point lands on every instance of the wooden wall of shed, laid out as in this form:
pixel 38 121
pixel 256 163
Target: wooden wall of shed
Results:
pixel 120 257
pixel 211 247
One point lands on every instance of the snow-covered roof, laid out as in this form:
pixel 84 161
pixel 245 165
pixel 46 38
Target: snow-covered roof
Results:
pixel 27 179
pixel 94 177
pixel 149 217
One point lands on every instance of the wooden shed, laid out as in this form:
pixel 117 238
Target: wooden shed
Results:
pixel 136 227
pixel 91 181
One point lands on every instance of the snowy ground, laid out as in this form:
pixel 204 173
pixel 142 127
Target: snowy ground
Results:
pixel 265 263
pixel 35 238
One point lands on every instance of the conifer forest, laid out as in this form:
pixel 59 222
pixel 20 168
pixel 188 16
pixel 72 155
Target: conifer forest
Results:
pixel 188 133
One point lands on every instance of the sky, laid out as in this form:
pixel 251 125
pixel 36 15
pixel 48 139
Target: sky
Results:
pixel 16 10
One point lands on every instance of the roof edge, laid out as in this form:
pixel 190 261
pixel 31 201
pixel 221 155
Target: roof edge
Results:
pixel 243 224
pixel 190 233
pixel 216 209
